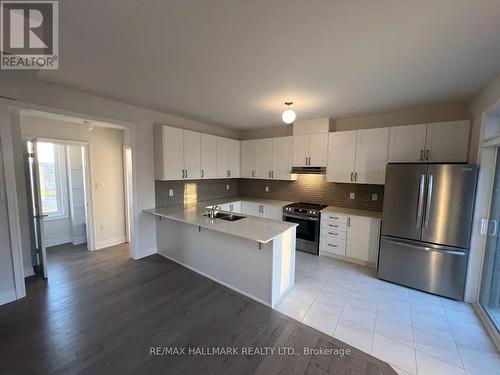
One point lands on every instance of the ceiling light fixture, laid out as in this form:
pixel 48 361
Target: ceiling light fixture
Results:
pixel 288 115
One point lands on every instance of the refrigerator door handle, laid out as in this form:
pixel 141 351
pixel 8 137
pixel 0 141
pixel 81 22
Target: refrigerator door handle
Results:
pixel 420 205
pixel 442 249
pixel 429 200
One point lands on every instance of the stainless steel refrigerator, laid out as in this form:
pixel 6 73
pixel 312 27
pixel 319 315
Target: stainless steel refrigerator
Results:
pixel 426 226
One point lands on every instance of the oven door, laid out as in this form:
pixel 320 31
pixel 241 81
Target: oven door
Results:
pixel 307 238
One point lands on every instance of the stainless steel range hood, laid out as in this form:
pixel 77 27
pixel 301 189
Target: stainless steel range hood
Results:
pixel 309 170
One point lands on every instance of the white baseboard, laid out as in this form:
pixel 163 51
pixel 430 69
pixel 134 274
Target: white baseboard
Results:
pixel 146 253
pixel 78 240
pixel 109 242
pixel 57 241
pixel 217 280
pixel 28 271
pixel 7 297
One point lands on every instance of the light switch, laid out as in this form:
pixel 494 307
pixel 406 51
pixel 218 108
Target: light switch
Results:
pixel 170 192
pixel 374 197
pixel 267 188
pixel 352 195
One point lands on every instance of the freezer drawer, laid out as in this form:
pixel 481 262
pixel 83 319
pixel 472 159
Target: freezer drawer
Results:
pixel 432 268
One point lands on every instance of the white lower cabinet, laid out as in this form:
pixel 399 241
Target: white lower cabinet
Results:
pixel 354 237
pixel 231 207
pixel 251 208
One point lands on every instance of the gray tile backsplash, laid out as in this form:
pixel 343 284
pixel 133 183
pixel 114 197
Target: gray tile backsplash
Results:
pixel 315 189
pixel 193 191
pixel 307 188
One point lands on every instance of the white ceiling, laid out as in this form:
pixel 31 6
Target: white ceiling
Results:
pixel 234 62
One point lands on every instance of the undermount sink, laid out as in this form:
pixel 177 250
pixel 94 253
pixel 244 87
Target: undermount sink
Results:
pixel 231 217
pixel 218 215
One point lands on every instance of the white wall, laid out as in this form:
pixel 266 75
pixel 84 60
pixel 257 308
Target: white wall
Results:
pixel 7 286
pixel 106 145
pixel 76 190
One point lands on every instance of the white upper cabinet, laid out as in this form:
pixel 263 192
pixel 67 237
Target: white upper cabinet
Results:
pixel 208 156
pixel 436 142
pixel 407 143
pixel 300 152
pixel 222 166
pixel 233 158
pixel 341 156
pixel 371 156
pixel 192 155
pixel 282 158
pixel 248 161
pixel 447 141
pixel 310 150
pixel 264 157
pixel 318 150
pixel 172 154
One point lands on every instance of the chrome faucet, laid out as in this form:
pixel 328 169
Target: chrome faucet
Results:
pixel 211 211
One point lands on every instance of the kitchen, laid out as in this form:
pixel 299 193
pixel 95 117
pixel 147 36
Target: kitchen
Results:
pixel 300 175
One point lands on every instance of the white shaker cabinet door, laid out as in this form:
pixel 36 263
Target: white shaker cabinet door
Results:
pixel 407 143
pixel 233 158
pixel 192 155
pixel 282 158
pixel 222 150
pixel 173 153
pixel 371 156
pixel 318 150
pixel 300 150
pixel 264 158
pixel 208 156
pixel 362 238
pixel 447 141
pixel 341 156
pixel 248 161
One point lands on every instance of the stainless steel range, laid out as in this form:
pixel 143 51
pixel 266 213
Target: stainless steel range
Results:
pixel 307 216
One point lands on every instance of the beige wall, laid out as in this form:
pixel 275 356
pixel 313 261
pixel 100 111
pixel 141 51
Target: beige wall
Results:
pixel 106 147
pixel 418 115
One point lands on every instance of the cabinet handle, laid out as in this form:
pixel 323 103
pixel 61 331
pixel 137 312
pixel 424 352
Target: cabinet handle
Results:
pixel 349 222
pixel 356 176
pixel 186 173
pixel 253 173
pixel 334 217
pixel 352 176
pixel 427 154
pixel 422 155
pixel 202 174
pixel 332 245
pixel 333 234
pixel 229 173
pixel 306 160
pixel 272 174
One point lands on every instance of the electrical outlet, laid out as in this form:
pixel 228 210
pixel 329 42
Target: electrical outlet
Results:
pixel 104 227
pixel 374 197
pixel 227 187
pixel 267 188
pixel 170 192
pixel 352 195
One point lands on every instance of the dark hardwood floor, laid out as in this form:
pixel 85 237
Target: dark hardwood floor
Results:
pixel 101 313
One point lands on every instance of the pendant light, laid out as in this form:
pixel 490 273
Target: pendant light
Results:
pixel 288 115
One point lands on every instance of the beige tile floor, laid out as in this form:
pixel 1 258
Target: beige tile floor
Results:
pixel 417 333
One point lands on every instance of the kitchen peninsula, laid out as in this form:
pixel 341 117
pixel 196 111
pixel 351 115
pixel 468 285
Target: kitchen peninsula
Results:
pixel 254 256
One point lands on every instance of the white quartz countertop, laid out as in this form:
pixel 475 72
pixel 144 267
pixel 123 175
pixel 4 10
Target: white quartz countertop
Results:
pixel 352 211
pixel 251 227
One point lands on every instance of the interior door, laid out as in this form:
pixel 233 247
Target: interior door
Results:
pixel 36 224
pixel 341 157
pixel 404 195
pixel 449 204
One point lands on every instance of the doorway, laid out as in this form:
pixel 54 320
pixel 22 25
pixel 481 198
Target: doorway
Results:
pixel 58 197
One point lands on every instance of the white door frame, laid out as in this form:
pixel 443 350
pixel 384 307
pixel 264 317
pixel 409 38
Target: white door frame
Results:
pixel 9 114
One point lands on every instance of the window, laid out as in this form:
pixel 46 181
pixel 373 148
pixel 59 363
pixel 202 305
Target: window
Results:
pixel 52 179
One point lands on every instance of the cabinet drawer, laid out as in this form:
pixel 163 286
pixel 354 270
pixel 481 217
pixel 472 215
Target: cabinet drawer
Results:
pixel 333 225
pixel 334 233
pixel 332 245
pixel 332 216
